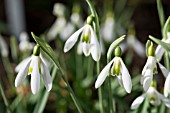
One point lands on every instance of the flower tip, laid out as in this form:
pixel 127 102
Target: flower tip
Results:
pixel 97 85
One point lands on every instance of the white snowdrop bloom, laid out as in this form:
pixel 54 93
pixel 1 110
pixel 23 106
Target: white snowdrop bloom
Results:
pixel 3 47
pixel 59 9
pixel 148 71
pixel 153 96
pixel 24 44
pixel 67 31
pixel 166 74
pixel 160 50
pixel 107 29
pixel 116 67
pixel 88 42
pixel 32 66
pixel 76 19
pixel 135 44
pixel 56 28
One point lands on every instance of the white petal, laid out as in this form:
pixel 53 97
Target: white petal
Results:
pixel 165 100
pixel 22 73
pixel 164 70
pixel 21 64
pixel 46 76
pixel 159 52
pixel 35 76
pixel 103 74
pixel 86 48
pixel 138 101
pixel 95 48
pixel 147 79
pixel 72 40
pixel 167 86
pixel 120 80
pixel 127 83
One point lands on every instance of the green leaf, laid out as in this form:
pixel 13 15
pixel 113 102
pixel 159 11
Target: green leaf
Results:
pixel 46 48
pixel 161 13
pixel 113 46
pixel 160 42
pixel 14 48
pixel 165 28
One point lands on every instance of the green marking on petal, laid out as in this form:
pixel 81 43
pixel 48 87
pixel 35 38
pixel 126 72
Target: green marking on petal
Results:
pixel 116 68
pixel 30 70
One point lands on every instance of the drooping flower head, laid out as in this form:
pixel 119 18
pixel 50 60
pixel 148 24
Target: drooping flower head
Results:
pixel 149 69
pixel 153 96
pixel 116 67
pixel 34 66
pixel 88 41
pixel 24 44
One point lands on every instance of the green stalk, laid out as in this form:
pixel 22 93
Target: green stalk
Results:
pixel 111 110
pixel 96 27
pixel 9 70
pixel 100 92
pixel 5 98
pixel 161 13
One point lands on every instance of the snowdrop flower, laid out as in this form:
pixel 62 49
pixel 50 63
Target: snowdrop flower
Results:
pixel 32 66
pixel 24 44
pixel 166 74
pixel 135 44
pixel 59 9
pixel 107 29
pixel 60 26
pixel 88 41
pixel 116 67
pixel 160 50
pixel 149 69
pixel 3 47
pixel 153 96
pixel 76 18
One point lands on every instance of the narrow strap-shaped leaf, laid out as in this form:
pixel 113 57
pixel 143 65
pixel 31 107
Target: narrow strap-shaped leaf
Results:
pixel 161 13
pixel 5 98
pixel 166 27
pixel 113 46
pixel 160 42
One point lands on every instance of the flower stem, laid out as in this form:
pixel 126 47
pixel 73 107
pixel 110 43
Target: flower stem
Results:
pixel 96 28
pixel 100 94
pixel 111 110
pixel 5 98
pixel 72 94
